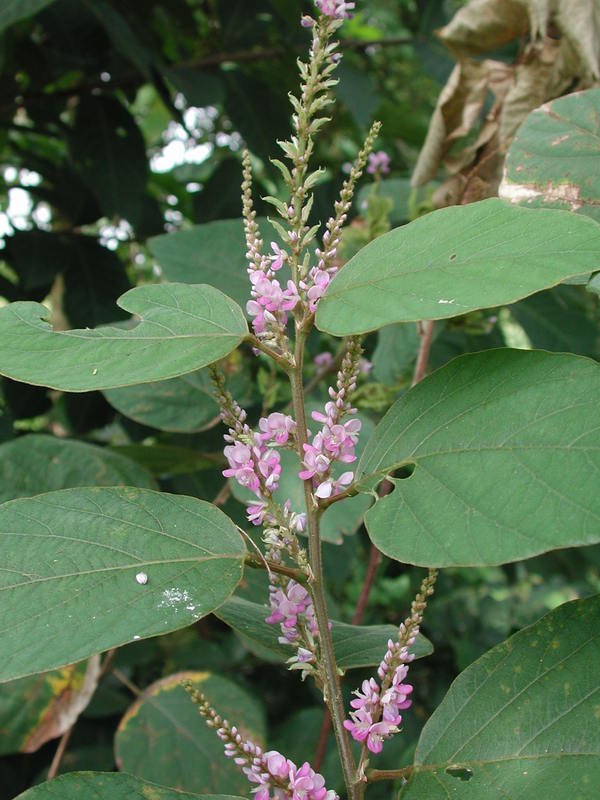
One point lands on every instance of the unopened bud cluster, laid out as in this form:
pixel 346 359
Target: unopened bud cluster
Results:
pixel 376 714
pixel 273 776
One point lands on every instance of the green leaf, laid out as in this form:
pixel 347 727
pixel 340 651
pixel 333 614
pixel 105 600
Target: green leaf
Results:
pixel 93 285
pixel 14 10
pixel 594 284
pixel 398 190
pixel 213 253
pixel 553 159
pixel 561 319
pixel 163 738
pixel 68 582
pixel 397 348
pixel 522 721
pixel 182 328
pixel 358 92
pixel 456 260
pixel 108 786
pixel 354 645
pixel 181 405
pixel 39 708
pixel 505 446
pixel 40 463
pixel 109 152
pixel 163 460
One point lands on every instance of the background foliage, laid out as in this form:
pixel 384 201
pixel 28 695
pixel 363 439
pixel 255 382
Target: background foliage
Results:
pixel 120 131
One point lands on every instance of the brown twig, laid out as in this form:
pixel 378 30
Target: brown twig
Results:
pixel 426 334
pixel 223 495
pixel 64 740
pixel 126 682
pixel 60 750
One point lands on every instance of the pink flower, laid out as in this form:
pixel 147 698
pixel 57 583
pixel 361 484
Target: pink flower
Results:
pixel 277 764
pixel 330 487
pixel 339 9
pixel 379 163
pixel 305 783
pixel 256 513
pixel 323 361
pixel 269 467
pixel 377 733
pixel 241 466
pixel 278 258
pixel 278 426
pixel 314 461
pixel 321 281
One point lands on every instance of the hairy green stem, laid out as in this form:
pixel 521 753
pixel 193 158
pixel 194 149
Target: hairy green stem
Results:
pixel 389 774
pixel 263 563
pixel 332 686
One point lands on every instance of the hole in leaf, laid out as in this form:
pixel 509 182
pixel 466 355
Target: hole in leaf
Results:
pixel 452 256
pixel 401 473
pixel 462 773
pixel 405 471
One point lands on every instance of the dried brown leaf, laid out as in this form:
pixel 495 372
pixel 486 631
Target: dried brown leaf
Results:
pixel 580 23
pixel 484 25
pixel 64 709
pixel 458 107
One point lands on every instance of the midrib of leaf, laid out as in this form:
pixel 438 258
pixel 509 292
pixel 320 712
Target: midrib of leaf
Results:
pixel 482 762
pixel 481 251
pixel 118 568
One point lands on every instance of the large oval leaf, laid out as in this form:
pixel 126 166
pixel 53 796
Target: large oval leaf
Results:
pixel 213 253
pixel 182 328
pixel 553 160
pixel 522 721
pixel 163 738
pixel 185 404
pixel 455 260
pixel 68 583
pixel 108 786
pixel 506 452
pixel 39 463
pixel 354 645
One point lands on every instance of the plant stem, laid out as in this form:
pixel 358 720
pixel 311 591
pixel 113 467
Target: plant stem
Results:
pixel 259 563
pixel 389 774
pixel 426 334
pixel 361 605
pixel 332 688
pixel 60 751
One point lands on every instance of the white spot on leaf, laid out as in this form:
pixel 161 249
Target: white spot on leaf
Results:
pixel 141 578
pixel 175 598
